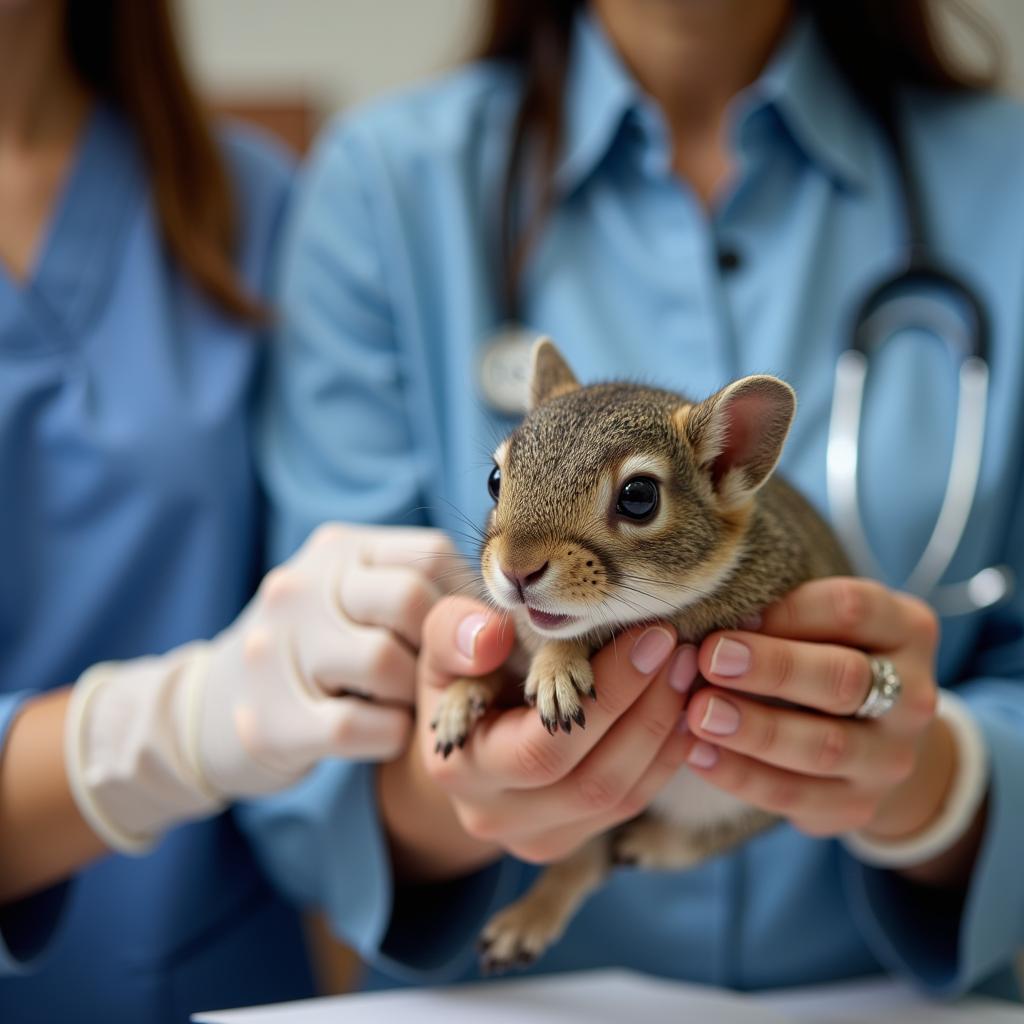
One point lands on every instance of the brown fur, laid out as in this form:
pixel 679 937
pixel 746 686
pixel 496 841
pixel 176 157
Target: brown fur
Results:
pixel 727 540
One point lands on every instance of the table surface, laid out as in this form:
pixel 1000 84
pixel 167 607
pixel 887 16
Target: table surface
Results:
pixel 613 996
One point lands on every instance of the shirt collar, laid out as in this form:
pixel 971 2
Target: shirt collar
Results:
pixel 77 260
pixel 813 101
pixel 599 94
pixel 816 105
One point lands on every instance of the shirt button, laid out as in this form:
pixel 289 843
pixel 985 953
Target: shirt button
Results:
pixel 728 259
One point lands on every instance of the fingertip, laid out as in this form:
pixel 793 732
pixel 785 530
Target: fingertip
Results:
pixel 494 639
pixel 682 669
pixel 703 756
pixel 697 709
pixel 619 650
pixel 465 637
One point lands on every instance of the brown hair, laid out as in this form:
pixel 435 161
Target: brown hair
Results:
pixel 902 39
pixel 126 52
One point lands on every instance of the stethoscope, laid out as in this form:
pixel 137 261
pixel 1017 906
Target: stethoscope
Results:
pixel 926 296
pixel 922 295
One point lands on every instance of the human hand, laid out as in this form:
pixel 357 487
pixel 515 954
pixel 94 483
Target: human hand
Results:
pixel 322 663
pixel 539 796
pixel 808 760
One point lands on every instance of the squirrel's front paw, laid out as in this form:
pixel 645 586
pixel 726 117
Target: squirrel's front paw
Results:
pixel 559 677
pixel 463 702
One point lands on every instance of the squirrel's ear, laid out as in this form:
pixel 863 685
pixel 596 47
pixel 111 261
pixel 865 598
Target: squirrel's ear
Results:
pixel 550 375
pixel 737 434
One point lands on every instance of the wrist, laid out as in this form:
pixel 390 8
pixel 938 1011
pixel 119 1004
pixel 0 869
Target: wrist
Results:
pixel 426 839
pixel 957 766
pixel 43 837
pixel 912 807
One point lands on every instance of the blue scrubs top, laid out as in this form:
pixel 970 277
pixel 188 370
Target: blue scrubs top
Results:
pixel 374 411
pixel 130 523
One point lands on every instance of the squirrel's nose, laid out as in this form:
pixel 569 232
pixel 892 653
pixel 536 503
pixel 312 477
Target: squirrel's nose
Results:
pixel 524 577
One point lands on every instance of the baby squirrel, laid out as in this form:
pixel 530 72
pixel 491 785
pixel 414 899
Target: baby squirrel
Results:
pixel 617 503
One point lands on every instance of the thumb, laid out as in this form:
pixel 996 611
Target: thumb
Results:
pixel 462 637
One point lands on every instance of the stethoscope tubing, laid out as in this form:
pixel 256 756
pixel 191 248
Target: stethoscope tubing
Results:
pixel 983 589
pixel 890 306
pixel 902 300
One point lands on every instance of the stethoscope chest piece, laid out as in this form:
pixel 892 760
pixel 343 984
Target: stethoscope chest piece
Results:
pixel 504 369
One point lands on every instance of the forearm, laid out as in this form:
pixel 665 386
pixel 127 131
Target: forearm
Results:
pixel 43 837
pixel 428 844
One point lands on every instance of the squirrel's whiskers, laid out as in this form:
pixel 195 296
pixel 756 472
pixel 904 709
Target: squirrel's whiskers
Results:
pixel 619 503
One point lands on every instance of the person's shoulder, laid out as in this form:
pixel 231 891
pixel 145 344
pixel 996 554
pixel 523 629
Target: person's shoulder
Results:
pixel 261 171
pixel 440 119
pixel 260 167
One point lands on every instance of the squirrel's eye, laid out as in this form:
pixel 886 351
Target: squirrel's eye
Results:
pixel 494 483
pixel 638 498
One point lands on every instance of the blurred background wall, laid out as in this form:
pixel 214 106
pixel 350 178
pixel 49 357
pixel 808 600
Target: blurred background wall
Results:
pixel 295 61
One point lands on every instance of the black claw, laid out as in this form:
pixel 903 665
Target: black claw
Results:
pixel 566 725
pixel 433 725
pixel 549 724
pixel 524 957
pixel 448 748
pixel 462 741
pixel 579 718
pixel 492 965
pixel 483 944
pixel 592 693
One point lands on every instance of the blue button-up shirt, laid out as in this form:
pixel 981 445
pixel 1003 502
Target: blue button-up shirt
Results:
pixel 130 522
pixel 388 295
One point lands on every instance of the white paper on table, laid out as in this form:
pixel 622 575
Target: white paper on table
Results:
pixel 613 997
pixel 587 997
pixel 874 1001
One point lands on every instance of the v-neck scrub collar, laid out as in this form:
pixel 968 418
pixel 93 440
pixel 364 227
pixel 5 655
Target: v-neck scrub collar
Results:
pixel 78 257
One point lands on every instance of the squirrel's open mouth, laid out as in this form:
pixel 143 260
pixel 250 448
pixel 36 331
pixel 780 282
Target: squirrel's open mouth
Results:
pixel 548 620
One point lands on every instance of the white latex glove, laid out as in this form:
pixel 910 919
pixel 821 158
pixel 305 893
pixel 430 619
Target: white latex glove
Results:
pixel 320 664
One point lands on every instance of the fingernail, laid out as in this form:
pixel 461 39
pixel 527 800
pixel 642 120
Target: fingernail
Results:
pixel 752 622
pixel 722 717
pixel 469 629
pixel 651 650
pixel 730 658
pixel 684 668
pixel 703 755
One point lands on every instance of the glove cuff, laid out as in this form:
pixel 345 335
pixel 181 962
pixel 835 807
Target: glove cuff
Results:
pixel 130 754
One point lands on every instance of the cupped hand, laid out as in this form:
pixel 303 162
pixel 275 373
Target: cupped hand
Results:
pixel 323 661
pixel 805 757
pixel 540 796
